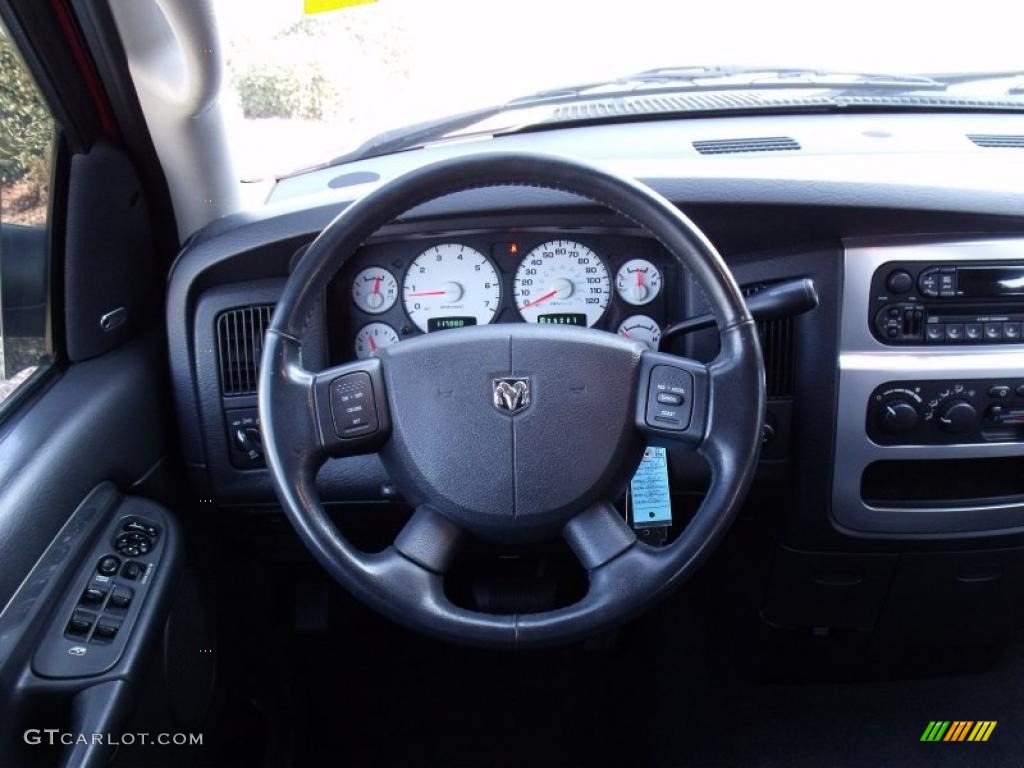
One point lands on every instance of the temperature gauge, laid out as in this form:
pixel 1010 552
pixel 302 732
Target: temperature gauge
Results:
pixel 641 328
pixel 374 290
pixel 374 337
pixel 638 281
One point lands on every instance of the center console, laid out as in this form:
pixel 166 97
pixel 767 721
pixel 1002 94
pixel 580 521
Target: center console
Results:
pixel 930 431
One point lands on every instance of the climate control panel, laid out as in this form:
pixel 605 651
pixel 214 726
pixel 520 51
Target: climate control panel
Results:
pixel 946 412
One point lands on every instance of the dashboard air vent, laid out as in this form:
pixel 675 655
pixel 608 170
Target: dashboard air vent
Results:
pixel 239 347
pixel 729 146
pixel 777 347
pixel 997 141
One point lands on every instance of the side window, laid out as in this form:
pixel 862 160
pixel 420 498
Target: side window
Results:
pixel 26 159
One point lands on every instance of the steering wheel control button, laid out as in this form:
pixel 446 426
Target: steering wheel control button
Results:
pixel 352 406
pixel 108 565
pixel 668 402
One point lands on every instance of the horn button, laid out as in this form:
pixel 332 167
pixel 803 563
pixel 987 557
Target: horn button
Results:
pixel 512 428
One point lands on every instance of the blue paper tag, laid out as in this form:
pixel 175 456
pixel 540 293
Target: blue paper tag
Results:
pixel 649 493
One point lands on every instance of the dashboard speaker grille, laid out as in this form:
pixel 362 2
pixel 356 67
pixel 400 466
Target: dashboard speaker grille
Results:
pixel 777 347
pixel 729 146
pixel 997 141
pixel 239 347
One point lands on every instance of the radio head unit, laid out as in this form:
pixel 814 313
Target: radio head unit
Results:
pixel 920 303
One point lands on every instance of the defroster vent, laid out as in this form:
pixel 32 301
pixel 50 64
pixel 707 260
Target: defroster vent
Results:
pixel 729 146
pixel 997 141
pixel 777 348
pixel 239 347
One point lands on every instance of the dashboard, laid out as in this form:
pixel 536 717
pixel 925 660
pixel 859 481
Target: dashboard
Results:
pixel 593 278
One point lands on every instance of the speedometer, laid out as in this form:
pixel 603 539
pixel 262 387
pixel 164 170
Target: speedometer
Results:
pixel 450 286
pixel 562 282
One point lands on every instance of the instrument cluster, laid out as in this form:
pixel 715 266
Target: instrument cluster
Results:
pixel 396 289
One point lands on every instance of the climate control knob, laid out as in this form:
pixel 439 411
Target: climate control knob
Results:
pixel 897 417
pixel 958 416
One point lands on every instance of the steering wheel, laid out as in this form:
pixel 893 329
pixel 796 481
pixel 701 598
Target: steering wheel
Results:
pixel 511 432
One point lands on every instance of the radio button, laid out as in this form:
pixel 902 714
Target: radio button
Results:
pixel 954 332
pixel 973 331
pixel 928 283
pixel 947 282
pixel 993 331
pixel 1011 330
pixel 1000 391
pixel 935 332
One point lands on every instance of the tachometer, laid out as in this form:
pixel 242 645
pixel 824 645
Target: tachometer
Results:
pixel 374 290
pixel 562 282
pixel 449 286
pixel 373 337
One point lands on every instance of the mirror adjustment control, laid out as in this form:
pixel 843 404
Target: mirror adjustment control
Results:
pixel 352 405
pixel 108 565
pixel 132 570
pixel 669 397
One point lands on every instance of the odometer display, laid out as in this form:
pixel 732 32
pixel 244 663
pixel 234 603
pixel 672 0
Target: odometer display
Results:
pixel 451 281
pixel 564 318
pixel 562 278
pixel 445 323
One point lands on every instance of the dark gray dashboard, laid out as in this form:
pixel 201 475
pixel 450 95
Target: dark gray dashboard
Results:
pixel 768 230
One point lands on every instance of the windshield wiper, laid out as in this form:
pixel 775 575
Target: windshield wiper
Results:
pixel 721 78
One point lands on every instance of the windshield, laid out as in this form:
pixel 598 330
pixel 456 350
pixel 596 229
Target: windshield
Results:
pixel 308 87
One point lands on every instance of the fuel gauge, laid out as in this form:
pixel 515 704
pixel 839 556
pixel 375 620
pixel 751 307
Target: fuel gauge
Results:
pixel 641 328
pixel 638 281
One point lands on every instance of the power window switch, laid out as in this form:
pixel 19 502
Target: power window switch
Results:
pixel 105 629
pixel 93 595
pixel 80 624
pixel 121 598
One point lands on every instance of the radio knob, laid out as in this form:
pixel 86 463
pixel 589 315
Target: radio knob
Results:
pixel 899 281
pixel 898 417
pixel 958 416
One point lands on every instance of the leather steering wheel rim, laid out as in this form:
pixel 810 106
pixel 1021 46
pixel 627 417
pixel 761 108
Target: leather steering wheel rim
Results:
pixel 405 581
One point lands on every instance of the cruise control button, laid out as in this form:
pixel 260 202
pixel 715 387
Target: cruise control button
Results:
pixel 352 406
pixel 667 404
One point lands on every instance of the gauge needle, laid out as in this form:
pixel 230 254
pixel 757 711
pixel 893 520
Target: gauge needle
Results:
pixel 376 285
pixel 373 344
pixel 627 334
pixel 427 293
pixel 639 279
pixel 539 299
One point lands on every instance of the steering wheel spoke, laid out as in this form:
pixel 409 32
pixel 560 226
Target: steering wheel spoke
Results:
pixel 598 535
pixel 430 540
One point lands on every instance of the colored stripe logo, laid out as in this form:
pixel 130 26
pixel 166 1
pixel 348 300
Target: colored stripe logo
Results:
pixel 958 730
